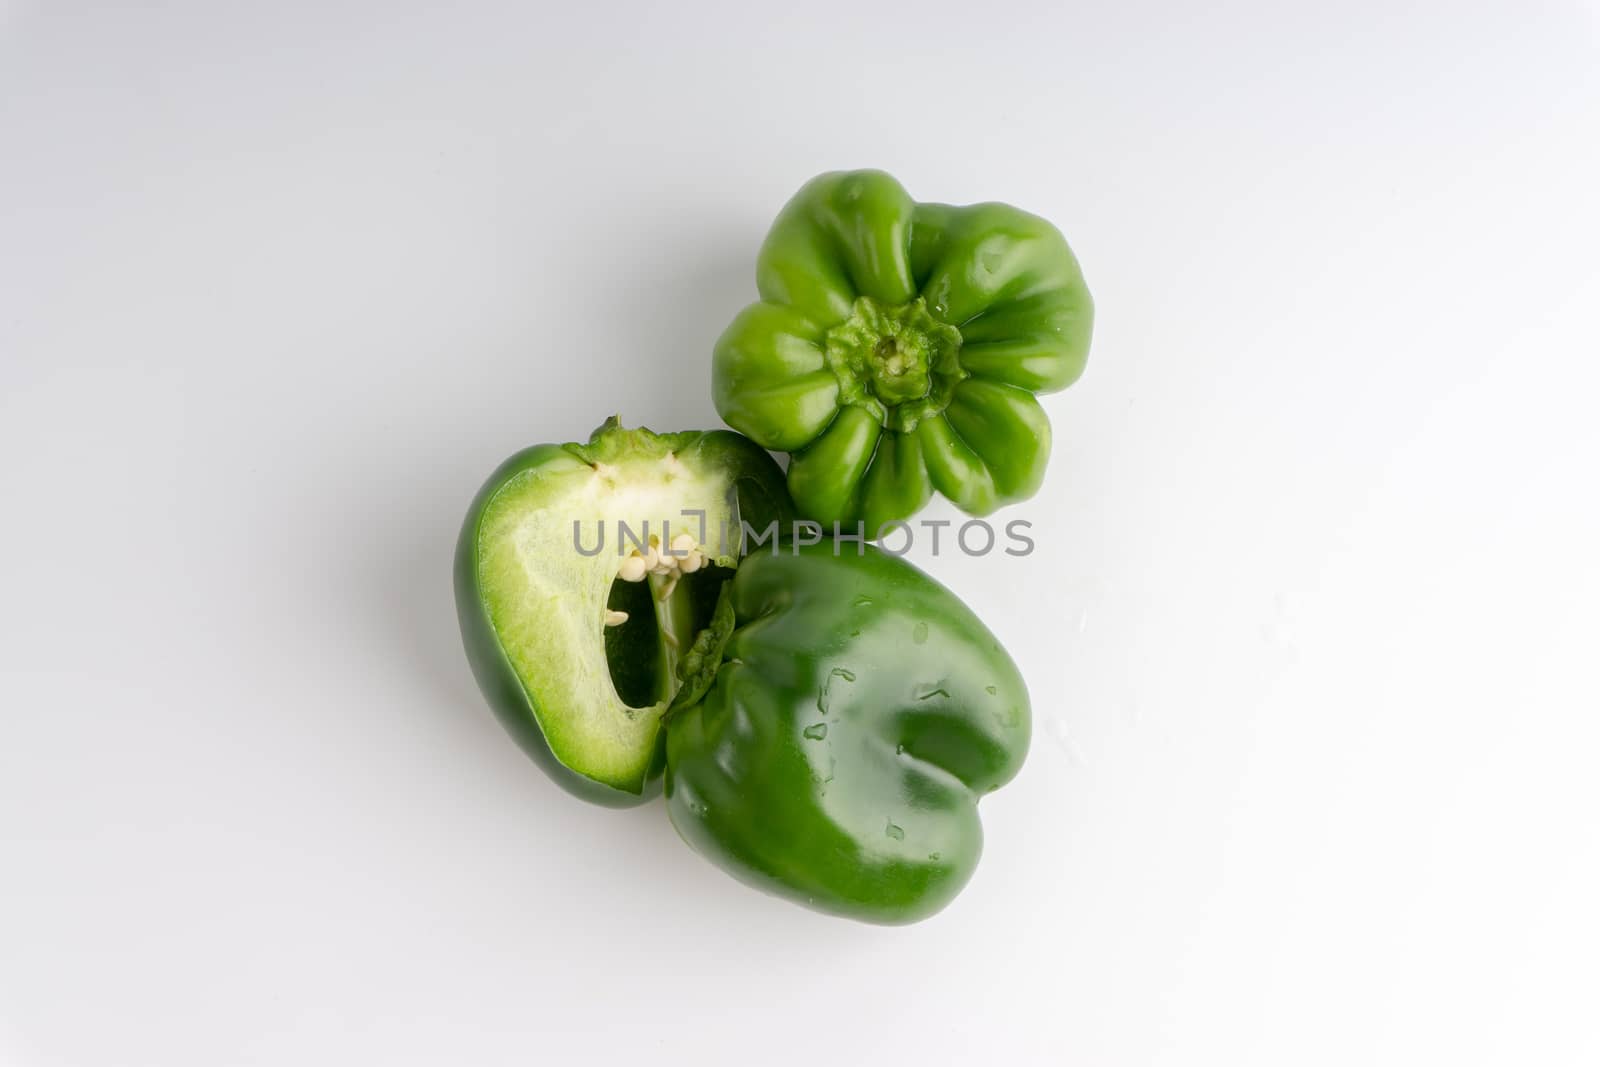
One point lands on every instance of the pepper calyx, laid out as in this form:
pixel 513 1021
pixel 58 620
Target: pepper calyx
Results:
pixel 900 363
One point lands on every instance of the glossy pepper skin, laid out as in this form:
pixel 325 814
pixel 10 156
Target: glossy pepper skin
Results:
pixel 839 721
pixel 533 609
pixel 897 348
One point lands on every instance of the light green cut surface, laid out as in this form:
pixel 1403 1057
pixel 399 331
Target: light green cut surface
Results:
pixel 547 601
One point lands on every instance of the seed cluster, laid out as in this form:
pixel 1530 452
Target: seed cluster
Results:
pixel 682 556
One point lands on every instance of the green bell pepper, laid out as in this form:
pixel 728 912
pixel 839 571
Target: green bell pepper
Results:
pixel 897 348
pixel 575 643
pixel 838 722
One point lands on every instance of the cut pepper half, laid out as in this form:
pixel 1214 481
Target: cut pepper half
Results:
pixel 583 574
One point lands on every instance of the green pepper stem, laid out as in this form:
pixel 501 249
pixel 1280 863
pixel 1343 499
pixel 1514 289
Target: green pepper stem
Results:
pixel 675 620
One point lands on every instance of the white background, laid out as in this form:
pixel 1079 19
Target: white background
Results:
pixel 1312 633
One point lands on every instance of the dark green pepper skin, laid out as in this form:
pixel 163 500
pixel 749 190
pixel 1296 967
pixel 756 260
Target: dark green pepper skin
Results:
pixel 897 348
pixel 834 748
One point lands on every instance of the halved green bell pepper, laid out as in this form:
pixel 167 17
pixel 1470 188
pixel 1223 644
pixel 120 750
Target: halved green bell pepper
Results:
pixel 575 638
pixel 897 348
pixel 839 720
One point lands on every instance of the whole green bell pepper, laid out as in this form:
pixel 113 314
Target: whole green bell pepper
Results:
pixel 574 638
pixel 897 348
pixel 839 719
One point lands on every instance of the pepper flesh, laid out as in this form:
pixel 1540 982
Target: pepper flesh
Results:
pixel 897 348
pixel 839 721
